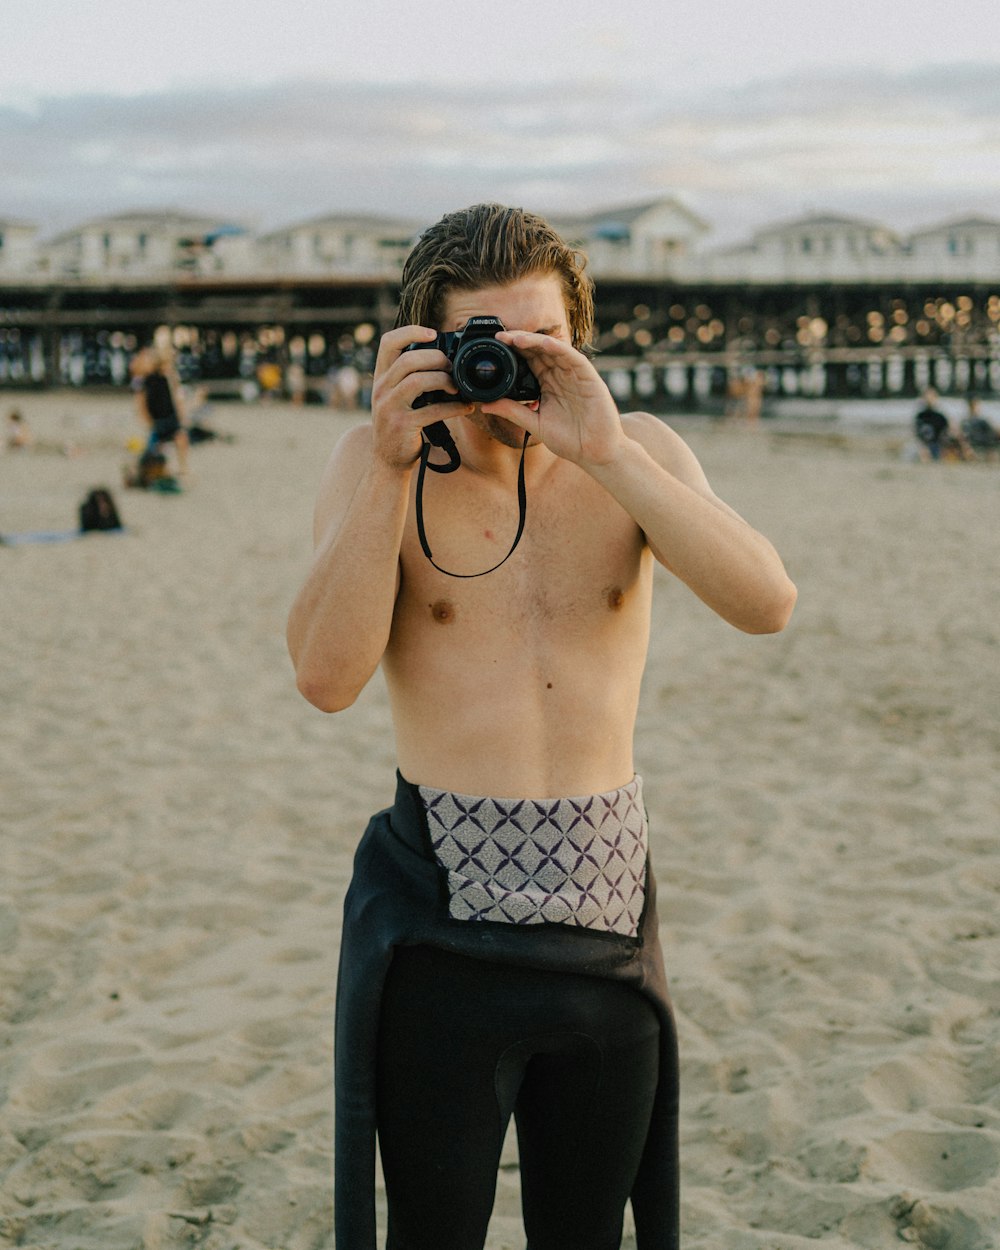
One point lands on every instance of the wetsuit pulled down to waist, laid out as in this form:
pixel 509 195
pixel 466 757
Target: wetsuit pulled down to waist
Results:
pixel 501 957
pixel 577 861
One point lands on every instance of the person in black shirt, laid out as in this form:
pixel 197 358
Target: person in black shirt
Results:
pixel 931 425
pixel 934 432
pixel 159 404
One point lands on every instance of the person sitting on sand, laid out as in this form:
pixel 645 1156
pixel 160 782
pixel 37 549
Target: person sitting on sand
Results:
pixel 980 435
pixel 934 432
pixel 19 435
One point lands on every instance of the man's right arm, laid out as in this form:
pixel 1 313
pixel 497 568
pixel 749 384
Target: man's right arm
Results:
pixel 339 624
pixel 340 621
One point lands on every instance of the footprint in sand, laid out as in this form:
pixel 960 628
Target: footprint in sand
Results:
pixel 937 1161
pixel 62 1078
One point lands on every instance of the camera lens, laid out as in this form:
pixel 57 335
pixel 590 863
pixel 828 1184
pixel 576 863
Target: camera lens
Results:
pixel 484 370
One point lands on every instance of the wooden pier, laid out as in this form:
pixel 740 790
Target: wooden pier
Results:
pixel 665 344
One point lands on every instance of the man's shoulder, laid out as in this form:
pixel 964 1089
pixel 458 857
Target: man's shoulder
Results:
pixel 356 440
pixel 664 445
pixel 351 452
pixel 638 424
pixel 342 475
pixel 662 442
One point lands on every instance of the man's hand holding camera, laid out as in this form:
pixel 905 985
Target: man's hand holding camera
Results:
pixel 409 364
pixel 576 418
pixel 422 376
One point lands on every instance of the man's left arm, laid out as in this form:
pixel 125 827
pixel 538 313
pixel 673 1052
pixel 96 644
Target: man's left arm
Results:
pixel 655 476
pixel 699 538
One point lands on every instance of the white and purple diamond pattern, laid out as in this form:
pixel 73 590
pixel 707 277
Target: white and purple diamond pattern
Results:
pixel 579 861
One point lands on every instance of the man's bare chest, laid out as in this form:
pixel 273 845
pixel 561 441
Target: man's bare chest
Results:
pixel 579 561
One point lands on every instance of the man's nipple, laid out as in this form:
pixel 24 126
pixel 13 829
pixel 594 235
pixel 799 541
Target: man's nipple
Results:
pixel 443 611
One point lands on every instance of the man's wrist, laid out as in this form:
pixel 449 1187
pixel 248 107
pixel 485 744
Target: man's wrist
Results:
pixel 616 458
pixel 390 472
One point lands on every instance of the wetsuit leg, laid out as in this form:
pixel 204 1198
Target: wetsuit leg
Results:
pixel 582 1117
pixel 439 1125
pixel 461 1042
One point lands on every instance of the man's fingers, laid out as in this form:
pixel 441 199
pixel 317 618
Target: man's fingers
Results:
pixel 423 381
pixel 546 345
pixel 403 390
pixel 513 410
pixel 547 356
pixel 416 363
pixel 394 342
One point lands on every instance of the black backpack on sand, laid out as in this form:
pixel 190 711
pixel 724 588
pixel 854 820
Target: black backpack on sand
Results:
pixel 98 511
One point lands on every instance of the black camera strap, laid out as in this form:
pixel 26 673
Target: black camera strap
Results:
pixel 454 461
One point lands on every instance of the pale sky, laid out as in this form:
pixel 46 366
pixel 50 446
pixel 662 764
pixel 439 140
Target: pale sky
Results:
pixel 271 113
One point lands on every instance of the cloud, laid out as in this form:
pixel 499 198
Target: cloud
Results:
pixel 925 142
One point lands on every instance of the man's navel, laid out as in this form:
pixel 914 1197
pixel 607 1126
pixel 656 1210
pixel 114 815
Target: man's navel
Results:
pixel 443 611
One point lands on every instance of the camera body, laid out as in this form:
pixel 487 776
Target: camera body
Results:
pixel 483 369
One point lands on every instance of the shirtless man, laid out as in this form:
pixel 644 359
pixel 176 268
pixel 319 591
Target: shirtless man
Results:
pixel 486 970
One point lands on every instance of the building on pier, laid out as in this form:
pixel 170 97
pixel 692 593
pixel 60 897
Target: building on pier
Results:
pixel 644 240
pixel 816 248
pixel 143 245
pixel 339 245
pixel 828 248
pixel 656 239
pixel 650 240
pixel 18 247
pixel 953 249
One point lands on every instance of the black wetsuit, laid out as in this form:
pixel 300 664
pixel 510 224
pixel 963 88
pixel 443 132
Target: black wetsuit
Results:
pixel 463 1044
pixel 446 1026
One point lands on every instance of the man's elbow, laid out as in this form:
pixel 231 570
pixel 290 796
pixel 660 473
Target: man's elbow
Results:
pixel 774 614
pixel 324 694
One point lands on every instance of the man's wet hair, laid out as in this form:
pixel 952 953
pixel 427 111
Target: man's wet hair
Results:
pixel 492 245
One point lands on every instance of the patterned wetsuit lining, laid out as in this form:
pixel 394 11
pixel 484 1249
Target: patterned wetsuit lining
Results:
pixel 576 861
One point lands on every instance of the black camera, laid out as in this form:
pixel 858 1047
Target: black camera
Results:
pixel 482 369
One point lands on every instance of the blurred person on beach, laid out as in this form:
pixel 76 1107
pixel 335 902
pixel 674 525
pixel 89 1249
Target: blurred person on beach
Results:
pixel 745 395
pixel 296 382
pixel 158 402
pixel 930 425
pixel 19 435
pixel 980 435
pixel 500 951
pixel 269 379
pixel 754 395
pixel 934 432
pixel 346 387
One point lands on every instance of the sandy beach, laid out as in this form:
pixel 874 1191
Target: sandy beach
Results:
pixel 178 825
